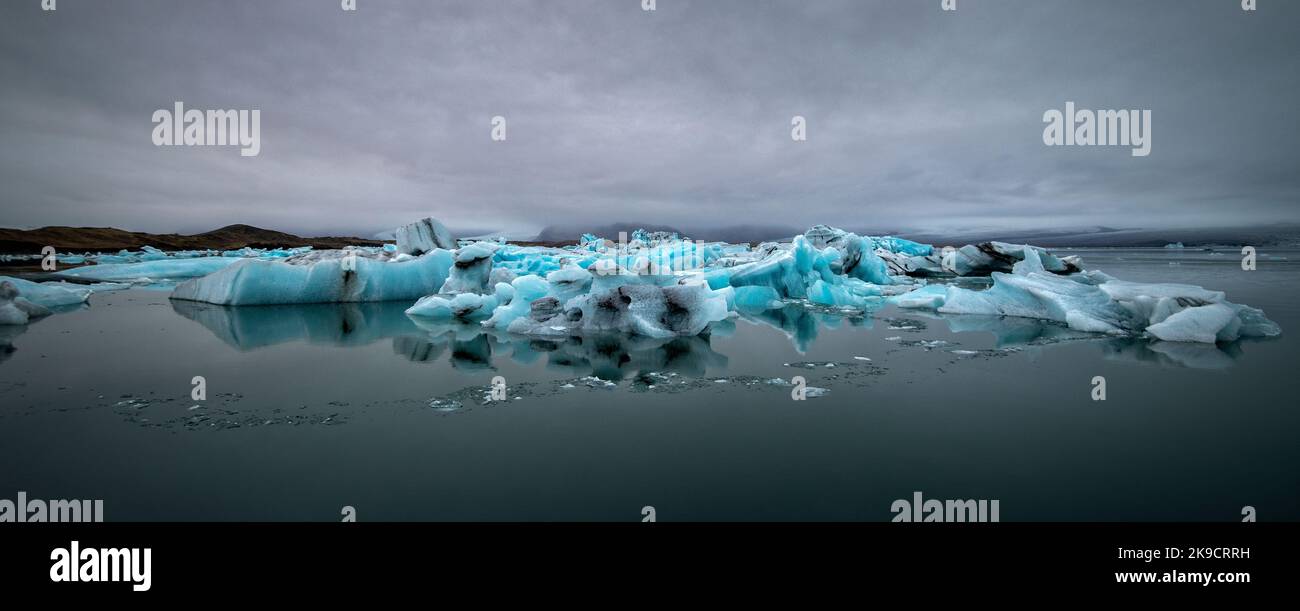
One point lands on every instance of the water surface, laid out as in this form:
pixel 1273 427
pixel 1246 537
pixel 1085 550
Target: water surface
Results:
pixel 310 408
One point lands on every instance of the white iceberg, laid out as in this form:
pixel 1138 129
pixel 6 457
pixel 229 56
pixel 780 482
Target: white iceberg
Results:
pixel 423 236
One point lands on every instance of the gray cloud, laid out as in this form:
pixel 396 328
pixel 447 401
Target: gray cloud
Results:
pixel 916 118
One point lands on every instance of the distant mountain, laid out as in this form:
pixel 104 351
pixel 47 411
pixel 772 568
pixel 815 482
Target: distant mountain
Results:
pixel 1099 237
pixel 108 239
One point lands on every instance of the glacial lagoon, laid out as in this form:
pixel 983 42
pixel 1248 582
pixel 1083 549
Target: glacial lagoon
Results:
pixel 311 408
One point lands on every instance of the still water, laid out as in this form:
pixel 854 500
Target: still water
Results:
pixel 313 408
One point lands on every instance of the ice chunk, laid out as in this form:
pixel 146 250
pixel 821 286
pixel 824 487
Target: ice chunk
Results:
pixel 928 297
pixel 527 290
pixel 638 309
pixel 14 309
pixel 756 298
pixel 422 236
pixel 321 277
pixel 567 283
pixel 163 269
pixel 1205 324
pixel 471 270
pixel 979 259
pixel 48 294
pixel 904 247
pixel 1096 303
pixel 462 306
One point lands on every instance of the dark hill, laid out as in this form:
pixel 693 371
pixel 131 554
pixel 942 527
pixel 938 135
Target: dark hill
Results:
pixel 109 239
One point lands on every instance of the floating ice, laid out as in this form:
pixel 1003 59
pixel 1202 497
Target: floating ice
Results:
pixel 661 285
pixel 15 310
pixel 638 309
pixel 350 275
pixel 1097 303
pixel 462 306
pixel 162 269
pixel 48 294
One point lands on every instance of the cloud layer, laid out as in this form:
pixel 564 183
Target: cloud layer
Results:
pixel 917 118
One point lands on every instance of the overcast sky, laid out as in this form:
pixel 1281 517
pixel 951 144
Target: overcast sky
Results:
pixel 916 118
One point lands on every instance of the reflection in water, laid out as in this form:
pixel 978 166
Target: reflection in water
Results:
pixel 470 347
pixel 609 357
pixel 1008 331
pixel 800 323
pixel 340 324
pixel 7 335
pixel 1179 354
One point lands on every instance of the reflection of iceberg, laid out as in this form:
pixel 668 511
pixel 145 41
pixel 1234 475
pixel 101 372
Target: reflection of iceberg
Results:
pixel 8 333
pixel 340 324
pixel 799 323
pixel 1009 330
pixel 607 356
pixel 1180 354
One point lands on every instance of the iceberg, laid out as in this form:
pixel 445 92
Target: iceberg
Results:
pixel 14 309
pixel 471 270
pixel 1097 303
pixel 423 236
pixel 661 285
pixel 462 306
pixel 150 271
pixel 636 309
pixel 328 276
pixel 48 294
